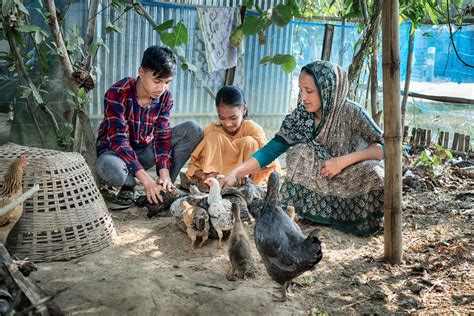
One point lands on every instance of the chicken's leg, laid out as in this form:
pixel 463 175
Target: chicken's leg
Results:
pixel 191 235
pixel 284 296
pixel 204 238
pixel 220 234
pixel 230 273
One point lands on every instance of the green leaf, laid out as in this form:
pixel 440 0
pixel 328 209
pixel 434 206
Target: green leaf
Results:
pixel 281 15
pixel 167 39
pixel 109 28
pixel 164 26
pixel 39 37
pixel 21 7
pixel 37 96
pixel 81 95
pixel 436 160
pixel 26 92
pixel 266 60
pixel 237 36
pixel 181 33
pixel 253 24
pixel 431 14
pixel 449 154
pixel 184 67
pixel 28 28
pixel 7 5
pixel 427 35
pixel 286 62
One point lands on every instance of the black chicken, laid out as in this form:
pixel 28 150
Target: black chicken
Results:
pixel 285 251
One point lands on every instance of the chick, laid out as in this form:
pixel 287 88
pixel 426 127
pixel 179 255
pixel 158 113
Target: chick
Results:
pixel 196 220
pixel 240 254
pixel 219 209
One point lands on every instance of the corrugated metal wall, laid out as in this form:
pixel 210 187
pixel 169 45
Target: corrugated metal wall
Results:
pixel 267 88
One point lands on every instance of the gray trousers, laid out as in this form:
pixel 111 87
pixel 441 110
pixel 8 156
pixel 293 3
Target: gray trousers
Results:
pixel 185 137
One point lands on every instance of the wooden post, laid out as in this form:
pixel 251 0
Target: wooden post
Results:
pixel 392 131
pixel 423 138
pixel 405 132
pixel 446 140
pixel 467 143
pixel 428 138
pixel 413 135
pixel 455 141
pixel 230 73
pixel 418 136
pixel 327 42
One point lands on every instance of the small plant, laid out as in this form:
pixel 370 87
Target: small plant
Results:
pixel 430 160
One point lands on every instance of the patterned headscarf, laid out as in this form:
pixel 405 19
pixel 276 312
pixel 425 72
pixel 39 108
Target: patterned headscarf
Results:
pixel 299 126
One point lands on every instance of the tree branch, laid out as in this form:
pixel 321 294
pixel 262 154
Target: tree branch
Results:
pixel 58 39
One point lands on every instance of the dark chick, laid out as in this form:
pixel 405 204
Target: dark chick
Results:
pixel 240 254
pixel 285 252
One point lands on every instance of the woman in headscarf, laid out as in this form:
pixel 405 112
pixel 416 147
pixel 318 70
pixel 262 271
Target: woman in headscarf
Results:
pixel 334 173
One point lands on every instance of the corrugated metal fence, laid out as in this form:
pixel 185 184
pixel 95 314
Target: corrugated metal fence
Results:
pixel 267 88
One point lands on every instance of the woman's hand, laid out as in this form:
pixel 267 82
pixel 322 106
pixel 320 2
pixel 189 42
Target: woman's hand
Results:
pixel 330 168
pixel 227 181
pixel 231 181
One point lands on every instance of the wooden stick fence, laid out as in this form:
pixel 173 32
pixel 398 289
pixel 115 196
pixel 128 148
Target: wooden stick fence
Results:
pixel 423 138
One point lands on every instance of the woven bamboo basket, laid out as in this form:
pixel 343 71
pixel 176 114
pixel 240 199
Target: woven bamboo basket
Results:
pixel 67 217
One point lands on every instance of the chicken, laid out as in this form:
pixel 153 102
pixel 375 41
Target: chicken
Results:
pixel 219 209
pixel 155 209
pixel 284 250
pixel 12 190
pixel 196 220
pixel 217 205
pixel 235 196
pixel 240 254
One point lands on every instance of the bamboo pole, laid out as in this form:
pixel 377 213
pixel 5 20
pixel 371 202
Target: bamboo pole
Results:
pixel 392 131
pixel 408 72
pixel 327 42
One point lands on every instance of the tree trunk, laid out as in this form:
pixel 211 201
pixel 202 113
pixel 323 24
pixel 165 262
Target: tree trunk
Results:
pixel 408 74
pixel 78 132
pixel 91 154
pixel 358 59
pixel 374 77
pixel 392 133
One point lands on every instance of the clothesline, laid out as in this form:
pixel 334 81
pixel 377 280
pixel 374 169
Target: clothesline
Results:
pixel 194 7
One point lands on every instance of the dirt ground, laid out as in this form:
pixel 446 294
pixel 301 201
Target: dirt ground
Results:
pixel 148 270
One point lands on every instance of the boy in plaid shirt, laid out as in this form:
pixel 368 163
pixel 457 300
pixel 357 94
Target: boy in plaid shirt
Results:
pixel 135 133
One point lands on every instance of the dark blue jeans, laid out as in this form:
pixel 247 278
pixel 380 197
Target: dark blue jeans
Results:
pixel 184 138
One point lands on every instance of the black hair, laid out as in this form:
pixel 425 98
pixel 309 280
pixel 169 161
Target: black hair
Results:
pixel 231 96
pixel 160 60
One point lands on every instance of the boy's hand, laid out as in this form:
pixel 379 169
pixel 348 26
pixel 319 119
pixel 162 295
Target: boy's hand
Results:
pixel 153 191
pixel 166 184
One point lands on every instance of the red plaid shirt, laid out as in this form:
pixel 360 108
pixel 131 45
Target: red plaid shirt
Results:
pixel 127 126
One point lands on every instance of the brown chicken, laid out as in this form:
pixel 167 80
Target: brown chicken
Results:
pixel 242 263
pixel 12 190
pixel 196 220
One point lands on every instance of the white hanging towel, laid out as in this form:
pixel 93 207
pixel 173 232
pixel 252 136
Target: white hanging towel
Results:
pixel 216 27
